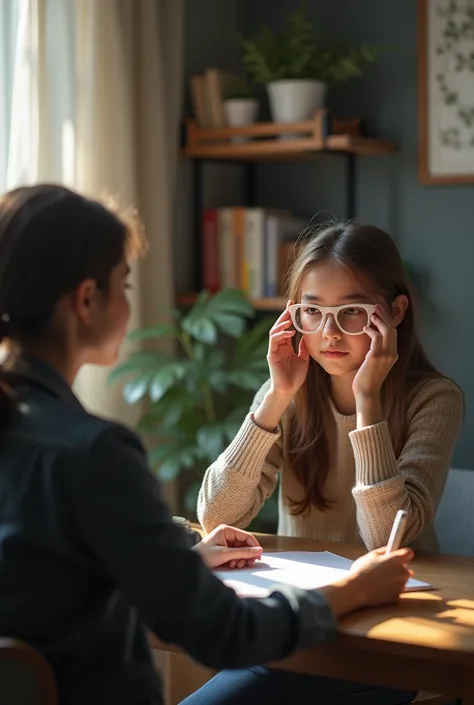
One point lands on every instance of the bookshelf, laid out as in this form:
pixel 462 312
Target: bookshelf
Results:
pixel 320 135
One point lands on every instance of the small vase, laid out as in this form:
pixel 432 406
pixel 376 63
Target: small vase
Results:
pixel 239 113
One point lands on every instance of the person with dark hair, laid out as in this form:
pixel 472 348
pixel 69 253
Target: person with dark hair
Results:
pixel 89 555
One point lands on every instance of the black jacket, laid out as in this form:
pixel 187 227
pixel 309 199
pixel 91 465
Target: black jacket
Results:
pixel 89 557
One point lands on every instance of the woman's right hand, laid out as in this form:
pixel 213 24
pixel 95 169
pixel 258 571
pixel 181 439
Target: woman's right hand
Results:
pixel 288 370
pixel 375 579
pixel 379 578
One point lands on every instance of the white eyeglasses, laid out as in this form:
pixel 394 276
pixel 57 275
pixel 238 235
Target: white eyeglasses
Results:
pixel 351 319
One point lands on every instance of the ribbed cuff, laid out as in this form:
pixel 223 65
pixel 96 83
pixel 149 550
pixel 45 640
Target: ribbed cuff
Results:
pixel 249 448
pixel 373 452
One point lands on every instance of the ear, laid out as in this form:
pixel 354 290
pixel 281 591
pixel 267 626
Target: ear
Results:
pixel 84 300
pixel 399 308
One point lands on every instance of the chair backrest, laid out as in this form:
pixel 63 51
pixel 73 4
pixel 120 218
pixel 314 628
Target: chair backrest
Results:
pixel 25 676
pixel 455 516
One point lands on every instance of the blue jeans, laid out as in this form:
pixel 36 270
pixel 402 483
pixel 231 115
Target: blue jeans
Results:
pixel 261 686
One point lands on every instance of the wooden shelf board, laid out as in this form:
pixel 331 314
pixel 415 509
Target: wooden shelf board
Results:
pixel 303 140
pixel 256 149
pixel 301 148
pixel 359 145
pixel 264 304
pixel 258 129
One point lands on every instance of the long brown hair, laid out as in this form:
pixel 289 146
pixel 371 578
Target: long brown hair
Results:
pixel 372 256
pixel 51 239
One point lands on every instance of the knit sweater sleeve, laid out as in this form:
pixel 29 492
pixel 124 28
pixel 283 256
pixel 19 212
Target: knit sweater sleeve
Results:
pixel 415 480
pixel 237 484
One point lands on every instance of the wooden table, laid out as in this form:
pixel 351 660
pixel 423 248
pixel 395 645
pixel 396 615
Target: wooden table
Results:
pixel 424 642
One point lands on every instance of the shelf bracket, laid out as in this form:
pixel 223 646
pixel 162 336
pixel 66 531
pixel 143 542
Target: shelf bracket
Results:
pixel 197 168
pixel 350 185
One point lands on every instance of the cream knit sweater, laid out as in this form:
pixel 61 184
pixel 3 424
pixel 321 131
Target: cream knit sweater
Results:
pixel 366 481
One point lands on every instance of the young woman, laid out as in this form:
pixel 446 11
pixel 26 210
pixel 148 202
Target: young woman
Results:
pixel 89 554
pixel 355 419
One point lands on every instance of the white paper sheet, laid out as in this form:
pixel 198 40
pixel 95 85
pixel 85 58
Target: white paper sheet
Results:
pixel 303 569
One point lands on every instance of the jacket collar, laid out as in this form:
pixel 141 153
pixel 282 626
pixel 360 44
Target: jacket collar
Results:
pixel 36 373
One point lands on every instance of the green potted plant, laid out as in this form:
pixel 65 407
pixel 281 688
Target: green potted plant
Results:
pixel 240 108
pixel 296 66
pixel 198 398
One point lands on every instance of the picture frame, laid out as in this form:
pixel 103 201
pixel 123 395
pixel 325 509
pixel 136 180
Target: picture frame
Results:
pixel 446 91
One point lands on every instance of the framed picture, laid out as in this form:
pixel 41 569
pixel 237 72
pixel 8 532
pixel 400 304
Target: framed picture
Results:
pixel 446 91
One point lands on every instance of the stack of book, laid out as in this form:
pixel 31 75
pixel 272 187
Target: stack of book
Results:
pixel 248 248
pixel 208 93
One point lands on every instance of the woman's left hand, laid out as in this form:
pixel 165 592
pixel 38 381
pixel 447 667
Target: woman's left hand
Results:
pixel 381 357
pixel 229 547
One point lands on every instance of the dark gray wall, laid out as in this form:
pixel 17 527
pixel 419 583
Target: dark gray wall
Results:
pixel 454 518
pixel 433 225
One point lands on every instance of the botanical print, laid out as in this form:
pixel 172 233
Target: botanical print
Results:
pixel 450 76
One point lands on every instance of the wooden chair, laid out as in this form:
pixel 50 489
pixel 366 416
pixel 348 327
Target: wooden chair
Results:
pixel 25 676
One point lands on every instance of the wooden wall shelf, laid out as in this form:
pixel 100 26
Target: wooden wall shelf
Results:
pixel 273 304
pixel 307 139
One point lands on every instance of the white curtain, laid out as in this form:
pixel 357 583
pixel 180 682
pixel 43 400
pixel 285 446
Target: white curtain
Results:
pixel 90 96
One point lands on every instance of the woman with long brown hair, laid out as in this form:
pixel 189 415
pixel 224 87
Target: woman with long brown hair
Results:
pixel 355 419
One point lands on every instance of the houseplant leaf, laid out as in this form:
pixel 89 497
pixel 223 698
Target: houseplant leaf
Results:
pixel 219 380
pixel 165 413
pixel 151 333
pixel 136 389
pixel 246 379
pixel 139 362
pixel 165 378
pixel 230 324
pixel 211 440
pixel 201 328
pixel 230 301
pixel 170 459
pixel 256 337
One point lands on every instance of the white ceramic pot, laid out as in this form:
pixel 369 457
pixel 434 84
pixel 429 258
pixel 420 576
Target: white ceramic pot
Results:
pixel 295 100
pixel 239 113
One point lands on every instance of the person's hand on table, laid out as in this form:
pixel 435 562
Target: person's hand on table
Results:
pixel 382 576
pixel 375 579
pixel 228 547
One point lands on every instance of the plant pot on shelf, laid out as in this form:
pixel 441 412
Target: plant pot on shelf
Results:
pixel 239 113
pixel 294 100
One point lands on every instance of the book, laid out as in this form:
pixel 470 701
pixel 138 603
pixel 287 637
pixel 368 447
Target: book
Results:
pixel 308 570
pixel 217 83
pixel 227 249
pixel 199 100
pixel 240 264
pixel 210 251
pixel 254 251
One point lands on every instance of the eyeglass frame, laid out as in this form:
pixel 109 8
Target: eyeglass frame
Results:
pixel 325 310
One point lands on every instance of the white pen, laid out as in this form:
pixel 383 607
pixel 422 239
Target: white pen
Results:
pixel 398 529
